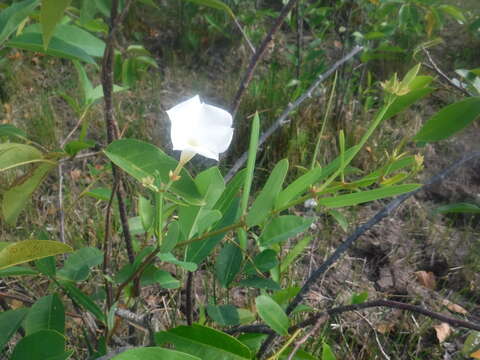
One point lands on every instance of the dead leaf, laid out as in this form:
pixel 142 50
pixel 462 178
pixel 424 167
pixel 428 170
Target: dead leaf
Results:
pixel 454 307
pixel 384 328
pixel 443 331
pixel 475 355
pixel 426 279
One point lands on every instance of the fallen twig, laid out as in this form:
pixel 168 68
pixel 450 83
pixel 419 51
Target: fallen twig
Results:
pixel 292 106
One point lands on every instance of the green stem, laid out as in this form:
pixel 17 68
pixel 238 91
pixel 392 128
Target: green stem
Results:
pixel 211 233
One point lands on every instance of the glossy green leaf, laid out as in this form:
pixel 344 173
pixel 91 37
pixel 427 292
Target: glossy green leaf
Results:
pixel 146 211
pixel 262 262
pixel 265 201
pixel 284 227
pixel 51 13
pixel 211 185
pixel 14 154
pixel 75 146
pixel 284 296
pixel 172 237
pixel 294 252
pixel 41 345
pixel 77 266
pixel 10 321
pixel 260 283
pixel 154 353
pixel 17 271
pixel 272 314
pixel 225 315
pixel 142 161
pixel 28 250
pixel 462 208
pixel 57 47
pixel 47 313
pixel 366 196
pixel 252 340
pixel 83 300
pixel 204 342
pixel 228 264
pixel 12 16
pixel 88 11
pixel 75 37
pixel 450 120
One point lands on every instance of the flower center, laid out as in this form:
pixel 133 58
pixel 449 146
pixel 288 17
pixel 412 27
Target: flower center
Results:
pixel 192 142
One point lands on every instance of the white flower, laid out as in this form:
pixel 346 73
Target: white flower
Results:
pixel 199 128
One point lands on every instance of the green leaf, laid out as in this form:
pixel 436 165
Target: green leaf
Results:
pixel 225 315
pixel 154 353
pixel 100 193
pixel 252 154
pixel 199 250
pixel 47 313
pixel 272 314
pixel 16 197
pixel 28 250
pixel 253 341
pixel 366 196
pixel 228 264
pixel 83 300
pixel 215 4
pixel 265 201
pixel 77 266
pixel 471 344
pixel 14 154
pixel 169 258
pixel 327 353
pixel 293 253
pixel 75 37
pixel 259 283
pixel 47 266
pixel 454 12
pixel 11 131
pixel 12 17
pixel 358 298
pixel 204 342
pixel 284 227
pixel 74 146
pixel 152 275
pixel 299 355
pixel 17 271
pixel 88 11
pixel 142 160
pixel 171 239
pixel 146 212
pixel 283 297
pixel 51 13
pixel 42 345
pixel 458 208
pixel 263 262
pixel 211 185
pixel 339 218
pixel 10 321
pixel 231 192
pixel 57 47
pixel 402 102
pixel 449 120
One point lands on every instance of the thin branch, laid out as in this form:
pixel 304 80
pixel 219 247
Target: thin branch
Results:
pixel 433 66
pixel 312 319
pixel 112 128
pixel 107 246
pixel 61 211
pixel 189 298
pixel 282 120
pixel 386 211
pixel 258 56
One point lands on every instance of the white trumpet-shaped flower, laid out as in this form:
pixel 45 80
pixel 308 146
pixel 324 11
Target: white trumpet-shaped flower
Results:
pixel 199 128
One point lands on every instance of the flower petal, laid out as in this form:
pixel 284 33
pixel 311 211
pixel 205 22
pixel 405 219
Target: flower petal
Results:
pixel 183 117
pixel 214 116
